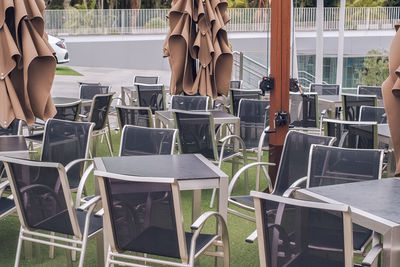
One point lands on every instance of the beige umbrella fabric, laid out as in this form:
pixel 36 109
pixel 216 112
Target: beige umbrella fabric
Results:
pixel 27 64
pixel 391 96
pixel 209 45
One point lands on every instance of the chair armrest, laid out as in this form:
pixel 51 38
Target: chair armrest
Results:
pixel 225 141
pixel 89 203
pixel 72 163
pixel 3 186
pixel 82 183
pixel 290 191
pixel 100 212
pixel 244 168
pixel 252 237
pixel 299 182
pixel 372 255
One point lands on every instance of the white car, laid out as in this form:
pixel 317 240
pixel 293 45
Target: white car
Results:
pixel 60 48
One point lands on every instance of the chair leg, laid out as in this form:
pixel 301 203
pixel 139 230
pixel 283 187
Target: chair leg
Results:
pixel 68 255
pixel 109 257
pixel 109 143
pixel 18 255
pixel 51 248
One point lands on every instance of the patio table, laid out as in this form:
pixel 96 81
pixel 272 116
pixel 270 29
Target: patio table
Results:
pixel 374 205
pixel 13 146
pixel 60 101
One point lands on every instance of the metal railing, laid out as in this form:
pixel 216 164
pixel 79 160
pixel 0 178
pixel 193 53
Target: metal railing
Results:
pixel 128 21
pixel 248 70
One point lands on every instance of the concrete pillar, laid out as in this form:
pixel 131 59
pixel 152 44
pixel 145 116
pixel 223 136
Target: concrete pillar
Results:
pixel 339 73
pixel 319 47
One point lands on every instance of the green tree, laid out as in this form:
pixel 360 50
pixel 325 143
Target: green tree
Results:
pixel 366 3
pixel 376 68
pixel 391 3
pixel 237 3
pixel 313 3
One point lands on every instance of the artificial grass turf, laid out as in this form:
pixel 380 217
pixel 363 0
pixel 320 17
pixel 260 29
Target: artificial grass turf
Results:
pixel 241 253
pixel 66 71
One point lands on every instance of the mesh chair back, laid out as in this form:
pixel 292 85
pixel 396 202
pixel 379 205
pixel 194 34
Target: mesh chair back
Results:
pixel 151 95
pixel 13 128
pixel 287 236
pixel 64 142
pixel 236 84
pixel 254 117
pixel 332 165
pixel 370 90
pixel 88 91
pixel 377 114
pixel 294 159
pixel 68 112
pixel 325 89
pixel 134 116
pixel 196 133
pixel 41 195
pixel 304 110
pixel 352 103
pixel 352 134
pixel 99 110
pixel 180 102
pixel 146 79
pixel 147 141
pixel 141 215
pixel 237 94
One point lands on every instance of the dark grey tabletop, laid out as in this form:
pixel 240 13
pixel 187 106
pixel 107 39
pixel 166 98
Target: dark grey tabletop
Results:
pixel 383 129
pixel 217 114
pixel 60 100
pixel 12 143
pixel 181 167
pixel 377 197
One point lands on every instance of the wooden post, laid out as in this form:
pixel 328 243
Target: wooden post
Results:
pixel 280 71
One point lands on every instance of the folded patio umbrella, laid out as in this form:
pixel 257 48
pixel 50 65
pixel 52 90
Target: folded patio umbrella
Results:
pixel 391 95
pixel 27 64
pixel 209 45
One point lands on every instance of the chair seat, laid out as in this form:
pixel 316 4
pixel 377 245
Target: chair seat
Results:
pixel 309 259
pixel 96 222
pixel 247 200
pixel 172 250
pixel 36 137
pixel 6 205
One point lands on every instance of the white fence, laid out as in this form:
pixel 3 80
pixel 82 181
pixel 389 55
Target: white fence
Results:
pixel 127 21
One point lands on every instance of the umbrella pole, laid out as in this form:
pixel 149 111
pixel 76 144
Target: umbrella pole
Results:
pixel 280 71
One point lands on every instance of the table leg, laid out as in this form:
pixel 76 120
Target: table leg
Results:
pixel 123 96
pixel 196 205
pixel 235 163
pixel 222 209
pixel 391 248
pixel 157 121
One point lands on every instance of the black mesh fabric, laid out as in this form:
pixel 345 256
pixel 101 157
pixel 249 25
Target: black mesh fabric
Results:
pixel 304 110
pixel 370 90
pixel 99 110
pixel 11 130
pixel 64 142
pixel 143 217
pixel 288 236
pixel 146 79
pixel 325 89
pixel 42 199
pixel 196 133
pixel 146 141
pixel 294 159
pixel 235 84
pixel 11 143
pixel 133 116
pixel 151 95
pixel 237 94
pixel 254 117
pixel 332 165
pixel 189 102
pixel 88 91
pixel 352 104
pixel 68 113
pixel 377 114
pixel 352 135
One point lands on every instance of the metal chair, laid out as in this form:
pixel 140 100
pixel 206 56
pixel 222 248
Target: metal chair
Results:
pixel 351 105
pixel 139 116
pixel 352 134
pixel 147 141
pixel 98 115
pixel 285 237
pixel 236 84
pixel 88 91
pixel 144 215
pixel 44 203
pixel 332 165
pixel 151 95
pixel 146 79
pixel 377 114
pixel 370 90
pixel 292 171
pixel 237 94
pixel 325 89
pixel 15 128
pixel 183 102
pixel 304 113
pixel 197 135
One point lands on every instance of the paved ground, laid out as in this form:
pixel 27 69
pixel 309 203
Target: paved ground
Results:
pixel 67 86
